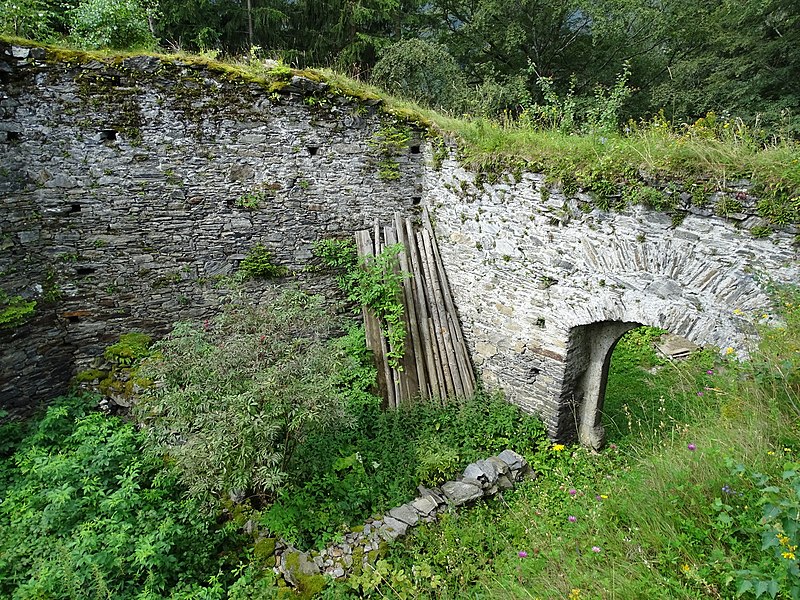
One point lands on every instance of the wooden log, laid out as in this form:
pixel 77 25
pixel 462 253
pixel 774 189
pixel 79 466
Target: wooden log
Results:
pixel 441 314
pixel 372 327
pixel 400 375
pixel 428 340
pixel 413 334
pixel 391 384
pixel 462 353
pixel 435 321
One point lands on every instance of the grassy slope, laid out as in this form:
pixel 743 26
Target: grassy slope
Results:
pixel 662 513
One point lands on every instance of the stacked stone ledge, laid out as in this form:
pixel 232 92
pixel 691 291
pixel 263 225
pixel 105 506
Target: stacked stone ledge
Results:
pixel 481 479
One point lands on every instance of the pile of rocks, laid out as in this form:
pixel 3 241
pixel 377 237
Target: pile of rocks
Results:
pixel 363 545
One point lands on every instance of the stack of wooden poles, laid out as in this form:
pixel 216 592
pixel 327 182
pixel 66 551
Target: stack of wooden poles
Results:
pixel 435 362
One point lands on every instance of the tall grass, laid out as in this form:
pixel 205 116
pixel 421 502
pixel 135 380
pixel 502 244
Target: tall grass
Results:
pixel 671 509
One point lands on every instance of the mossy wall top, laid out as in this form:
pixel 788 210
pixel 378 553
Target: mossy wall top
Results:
pixel 129 186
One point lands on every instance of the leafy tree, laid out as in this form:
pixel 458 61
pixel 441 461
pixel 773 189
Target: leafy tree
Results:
pixel 234 397
pixel 122 24
pixel 34 19
pixel 739 57
pixel 423 71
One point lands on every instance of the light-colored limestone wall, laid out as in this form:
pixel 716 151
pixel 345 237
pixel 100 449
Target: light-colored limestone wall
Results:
pixel 527 265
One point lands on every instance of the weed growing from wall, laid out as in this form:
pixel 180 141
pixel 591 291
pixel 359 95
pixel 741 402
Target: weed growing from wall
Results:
pixel 388 142
pixel 15 310
pixel 258 264
pixel 375 284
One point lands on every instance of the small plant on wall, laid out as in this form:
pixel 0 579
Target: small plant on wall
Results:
pixel 374 284
pixel 388 142
pixel 14 310
pixel 258 264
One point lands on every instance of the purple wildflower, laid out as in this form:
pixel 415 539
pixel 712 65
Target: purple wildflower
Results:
pixel 692 447
pixel 596 549
pixel 572 518
pixel 572 491
pixel 522 554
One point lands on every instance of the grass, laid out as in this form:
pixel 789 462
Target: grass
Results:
pixel 702 157
pixel 679 506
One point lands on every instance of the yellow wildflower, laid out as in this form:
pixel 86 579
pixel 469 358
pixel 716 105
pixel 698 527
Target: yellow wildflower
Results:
pixel 574 594
pixel 788 555
pixel 737 311
pixel 558 447
pixel 604 497
pixel 729 350
pixel 686 568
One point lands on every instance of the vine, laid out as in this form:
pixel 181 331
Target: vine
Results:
pixel 373 282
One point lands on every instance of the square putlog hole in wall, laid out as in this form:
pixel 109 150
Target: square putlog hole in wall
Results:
pixel 108 135
pixel 13 136
pixel 312 150
pixel 415 149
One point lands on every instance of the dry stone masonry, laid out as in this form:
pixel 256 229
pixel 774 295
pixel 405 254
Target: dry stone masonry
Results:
pixel 362 546
pixel 546 285
pixel 131 186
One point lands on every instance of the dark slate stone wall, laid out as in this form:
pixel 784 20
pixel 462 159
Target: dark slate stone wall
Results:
pixel 121 185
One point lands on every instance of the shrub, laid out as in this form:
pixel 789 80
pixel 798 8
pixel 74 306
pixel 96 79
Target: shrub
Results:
pixel 119 24
pixel 258 264
pixel 234 397
pixel 422 71
pixel 85 513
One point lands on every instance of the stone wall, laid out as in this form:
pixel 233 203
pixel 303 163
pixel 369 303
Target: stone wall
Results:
pixel 124 187
pixel 533 271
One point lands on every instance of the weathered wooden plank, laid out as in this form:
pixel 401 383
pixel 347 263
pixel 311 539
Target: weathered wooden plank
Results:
pixel 426 340
pixel 441 316
pixel 436 322
pixel 462 353
pixel 413 334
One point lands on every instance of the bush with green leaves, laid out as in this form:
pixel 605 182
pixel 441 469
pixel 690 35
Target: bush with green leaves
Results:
pixel 233 397
pixel 373 282
pixel 422 71
pixel 85 513
pixel 259 264
pixel 33 19
pixel 118 24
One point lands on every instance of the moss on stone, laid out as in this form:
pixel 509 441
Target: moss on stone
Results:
pixel 264 551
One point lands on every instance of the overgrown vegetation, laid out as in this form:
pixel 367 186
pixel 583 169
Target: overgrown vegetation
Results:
pixel 695 497
pixel 86 513
pixel 259 264
pixel 15 310
pixel 236 395
pixel 372 282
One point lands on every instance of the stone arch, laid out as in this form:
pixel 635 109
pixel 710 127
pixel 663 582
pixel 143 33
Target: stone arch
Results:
pixel 591 344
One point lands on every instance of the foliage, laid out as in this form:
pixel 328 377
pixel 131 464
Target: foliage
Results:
pixel 388 142
pixel 667 511
pixel 129 350
pixel 235 396
pixel 372 282
pixel 779 500
pixel 15 310
pixel 86 513
pixel 347 474
pixel 119 24
pixel 34 19
pixel 258 264
pixel 422 71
